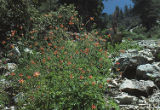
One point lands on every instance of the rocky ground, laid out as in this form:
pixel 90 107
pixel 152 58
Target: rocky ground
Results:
pixel 135 85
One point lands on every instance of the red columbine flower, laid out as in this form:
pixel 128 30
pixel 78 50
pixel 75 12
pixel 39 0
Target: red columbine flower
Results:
pixel 81 77
pixel 3 42
pixel 61 26
pixel 36 74
pixel 108 81
pixel 69 63
pixel 71 76
pixel 93 83
pixel 12 74
pixel 93 106
pixel 29 77
pixel 109 35
pixel 122 51
pixel 70 23
pixel 21 81
pixel 50 44
pixel 32 62
pixel 90 77
pixel 117 63
pixel 20 74
pixel 91 18
pixel 100 86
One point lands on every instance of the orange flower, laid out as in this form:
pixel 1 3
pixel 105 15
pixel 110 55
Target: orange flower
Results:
pixel 81 77
pixel 77 37
pixel 71 23
pixel 51 33
pixel 93 106
pixel 62 47
pixel 122 51
pixel 71 76
pixel 83 71
pixel 49 58
pixel 90 77
pixel 50 44
pixel 13 32
pixel 20 74
pixel 109 35
pixel 61 26
pixel 117 63
pixel 100 86
pixel 72 18
pixel 56 28
pixel 100 50
pixel 32 62
pixel 12 46
pixel 36 74
pixel 43 60
pixel 21 81
pixel 108 81
pixel 41 48
pixel 80 69
pixel 77 52
pixel 3 42
pixel 55 52
pixel 91 18
pixel 96 44
pixel 12 74
pixel 29 77
pixel 69 63
pixel 110 29
pixel 93 83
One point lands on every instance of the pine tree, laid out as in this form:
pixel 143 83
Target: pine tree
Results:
pixel 148 10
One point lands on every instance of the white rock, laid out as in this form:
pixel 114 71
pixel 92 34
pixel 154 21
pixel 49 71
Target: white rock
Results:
pixel 11 66
pixel 27 50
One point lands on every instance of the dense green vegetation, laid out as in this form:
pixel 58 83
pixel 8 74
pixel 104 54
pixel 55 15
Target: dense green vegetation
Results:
pixel 71 42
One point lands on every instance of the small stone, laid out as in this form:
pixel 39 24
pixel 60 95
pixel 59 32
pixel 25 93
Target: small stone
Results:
pixel 11 66
pixel 124 98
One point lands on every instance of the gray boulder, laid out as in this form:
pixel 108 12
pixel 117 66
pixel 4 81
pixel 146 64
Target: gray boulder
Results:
pixel 137 88
pixel 132 58
pixel 148 71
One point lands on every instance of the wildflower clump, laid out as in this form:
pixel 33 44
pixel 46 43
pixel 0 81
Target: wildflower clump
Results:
pixel 67 70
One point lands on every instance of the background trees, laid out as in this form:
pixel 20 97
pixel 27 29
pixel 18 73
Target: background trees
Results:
pixel 148 10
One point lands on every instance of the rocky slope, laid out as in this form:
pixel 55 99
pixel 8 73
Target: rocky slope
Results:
pixel 136 87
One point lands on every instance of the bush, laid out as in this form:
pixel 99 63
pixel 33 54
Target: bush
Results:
pixel 63 72
pixel 14 18
pixel 66 75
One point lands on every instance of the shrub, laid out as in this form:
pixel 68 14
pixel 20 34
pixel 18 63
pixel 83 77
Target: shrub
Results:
pixel 14 18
